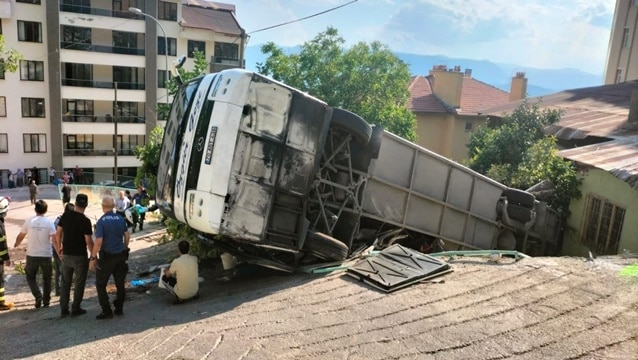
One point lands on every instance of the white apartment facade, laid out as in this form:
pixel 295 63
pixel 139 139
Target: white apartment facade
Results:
pixel 622 57
pixel 92 75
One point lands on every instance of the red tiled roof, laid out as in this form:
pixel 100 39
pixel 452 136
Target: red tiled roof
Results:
pixel 209 4
pixel 475 95
pixel 422 98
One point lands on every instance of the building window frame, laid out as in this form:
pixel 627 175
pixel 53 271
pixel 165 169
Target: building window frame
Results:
pixel 33 107
pixel 4 143
pixel 166 11
pixel 172 46
pixel 31 70
pixel 619 75
pixel 226 51
pixel 3 106
pixel 196 45
pixel 602 225
pixel 161 78
pixel 29 31
pixel 34 2
pixel 34 143
pixel 625 37
pixel 469 126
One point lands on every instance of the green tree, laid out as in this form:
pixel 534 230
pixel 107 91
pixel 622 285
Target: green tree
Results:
pixel 9 58
pixel 367 79
pixel 516 153
pixel 149 155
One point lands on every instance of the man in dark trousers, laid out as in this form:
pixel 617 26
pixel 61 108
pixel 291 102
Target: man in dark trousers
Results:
pixel 140 198
pixel 4 253
pixel 66 193
pixel 111 243
pixel 72 239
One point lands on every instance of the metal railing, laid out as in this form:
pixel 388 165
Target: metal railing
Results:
pixel 104 119
pixel 103 84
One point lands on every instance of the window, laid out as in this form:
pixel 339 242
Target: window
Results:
pixel 79 142
pixel 31 70
pixel 128 143
pixel 167 11
pixel 625 38
pixel 32 107
pixel 619 78
pixel 37 2
pixel 603 226
pixel 3 106
pixel 1 72
pixel 172 46
pixel 634 2
pixel 77 74
pixel 196 46
pixel 77 106
pixel 34 143
pixel 76 6
pixel 4 143
pixel 76 38
pixel 128 77
pixel 469 126
pixel 124 39
pixel 161 78
pixel 226 51
pixel 29 31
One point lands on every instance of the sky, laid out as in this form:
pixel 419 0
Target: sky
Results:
pixel 547 34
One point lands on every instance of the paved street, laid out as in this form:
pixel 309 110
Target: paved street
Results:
pixel 541 308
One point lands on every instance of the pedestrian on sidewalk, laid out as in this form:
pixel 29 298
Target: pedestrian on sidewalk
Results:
pixel 111 243
pixel 41 232
pixel 73 238
pixel 4 253
pixel 51 175
pixel 66 192
pixel 33 191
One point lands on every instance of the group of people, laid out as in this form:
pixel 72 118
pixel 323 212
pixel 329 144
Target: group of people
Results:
pixel 68 240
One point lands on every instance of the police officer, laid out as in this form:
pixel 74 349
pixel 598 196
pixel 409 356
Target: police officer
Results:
pixel 111 243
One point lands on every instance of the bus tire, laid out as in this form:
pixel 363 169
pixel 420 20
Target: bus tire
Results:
pixel 325 246
pixel 361 131
pixel 520 197
pixel 518 212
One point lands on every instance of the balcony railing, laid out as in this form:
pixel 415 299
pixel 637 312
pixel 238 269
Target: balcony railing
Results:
pixel 103 84
pixel 96 11
pixel 104 119
pixel 97 152
pixel 101 48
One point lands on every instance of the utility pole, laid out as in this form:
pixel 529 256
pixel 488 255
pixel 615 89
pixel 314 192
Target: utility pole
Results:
pixel 115 116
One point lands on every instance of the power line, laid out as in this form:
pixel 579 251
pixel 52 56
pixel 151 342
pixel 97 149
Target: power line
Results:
pixel 303 18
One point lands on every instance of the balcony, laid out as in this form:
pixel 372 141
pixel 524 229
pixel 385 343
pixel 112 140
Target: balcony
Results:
pixel 101 48
pixel 97 152
pixel 103 84
pixel 78 9
pixel 104 119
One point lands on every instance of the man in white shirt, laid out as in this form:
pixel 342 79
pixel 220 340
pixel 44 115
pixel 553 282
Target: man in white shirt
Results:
pixel 182 279
pixel 41 232
pixel 122 203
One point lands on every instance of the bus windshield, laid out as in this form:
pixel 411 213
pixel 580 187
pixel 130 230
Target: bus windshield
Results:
pixel 173 133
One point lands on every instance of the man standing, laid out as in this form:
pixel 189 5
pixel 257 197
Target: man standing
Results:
pixel 182 279
pixel 41 233
pixel 66 193
pixel 111 243
pixel 51 175
pixel 121 203
pixel 4 253
pixel 140 198
pixel 33 191
pixel 72 239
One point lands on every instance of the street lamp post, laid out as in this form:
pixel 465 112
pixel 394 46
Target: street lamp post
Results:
pixel 139 12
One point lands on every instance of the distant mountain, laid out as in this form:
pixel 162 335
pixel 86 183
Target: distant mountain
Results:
pixel 541 81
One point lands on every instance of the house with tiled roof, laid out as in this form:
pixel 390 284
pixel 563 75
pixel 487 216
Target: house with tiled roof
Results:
pixel 447 104
pixel 598 131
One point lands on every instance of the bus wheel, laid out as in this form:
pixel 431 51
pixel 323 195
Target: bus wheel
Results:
pixel 361 131
pixel 325 246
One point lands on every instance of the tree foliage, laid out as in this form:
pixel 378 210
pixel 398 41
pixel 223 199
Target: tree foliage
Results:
pixel 9 58
pixel 518 154
pixel 367 79
pixel 149 155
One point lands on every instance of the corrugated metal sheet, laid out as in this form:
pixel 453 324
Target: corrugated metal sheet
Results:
pixel 220 21
pixel 618 157
pixel 595 111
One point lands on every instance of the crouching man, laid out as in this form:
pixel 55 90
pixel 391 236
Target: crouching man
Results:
pixel 182 278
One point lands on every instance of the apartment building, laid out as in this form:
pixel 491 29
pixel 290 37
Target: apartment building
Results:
pixel 93 73
pixel 622 59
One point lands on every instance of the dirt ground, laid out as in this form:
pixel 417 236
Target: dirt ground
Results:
pixel 537 308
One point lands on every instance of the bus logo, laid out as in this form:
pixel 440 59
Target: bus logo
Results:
pixel 210 145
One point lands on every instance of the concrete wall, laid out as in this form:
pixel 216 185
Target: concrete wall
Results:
pixel 445 134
